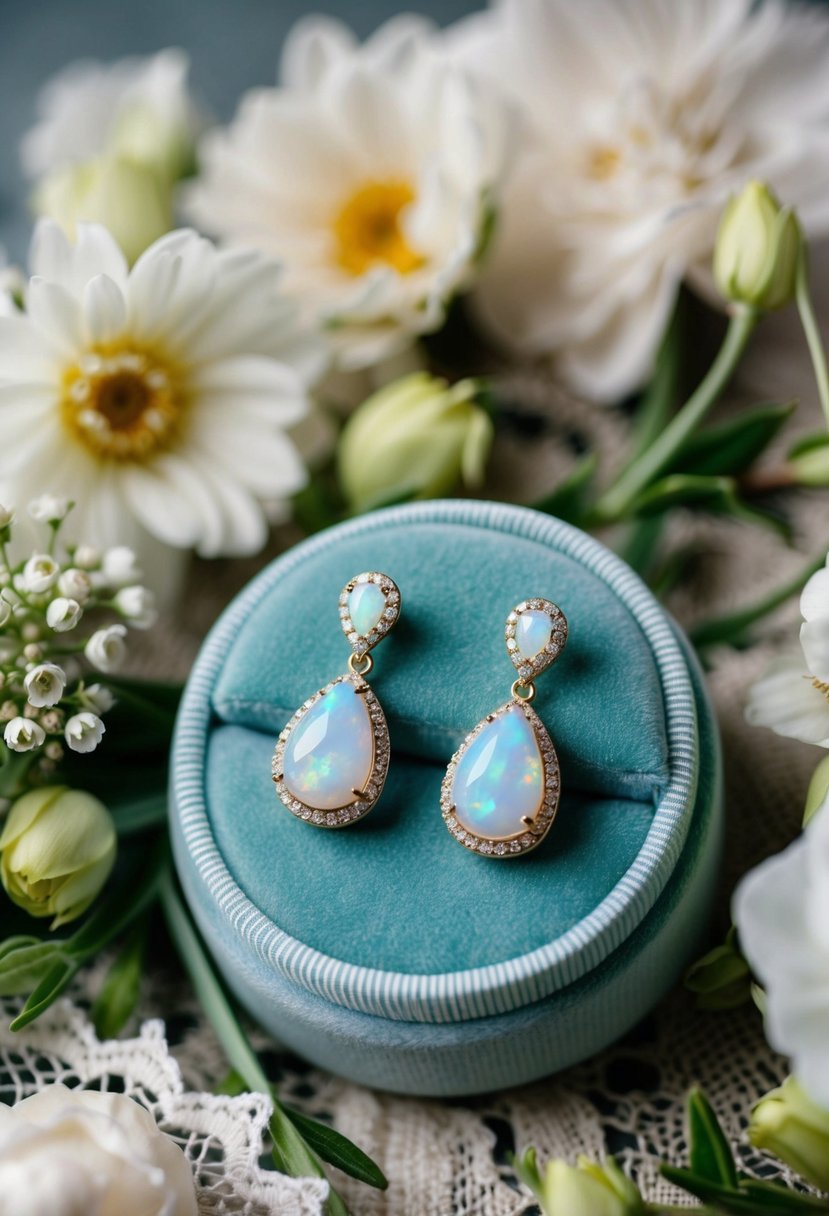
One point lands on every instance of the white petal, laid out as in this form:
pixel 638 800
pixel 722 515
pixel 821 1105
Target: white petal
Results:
pixel 271 390
pixel 786 700
pixel 72 265
pixel 57 315
pixel 313 46
pixel 105 311
pixel 814 599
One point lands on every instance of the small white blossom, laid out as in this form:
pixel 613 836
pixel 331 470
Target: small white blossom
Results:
pixel 40 573
pixel 87 557
pixel 63 614
pixel 48 509
pixel 106 648
pixel 137 604
pixel 75 584
pixel 84 732
pixel 120 567
pixel 6 515
pixel 45 684
pixel 23 735
pixel 96 697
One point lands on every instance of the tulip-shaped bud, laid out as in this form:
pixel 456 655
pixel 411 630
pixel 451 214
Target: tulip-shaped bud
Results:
pixel 758 248
pixel 586 1189
pixel 787 1122
pixel 130 199
pixel 56 852
pixel 416 438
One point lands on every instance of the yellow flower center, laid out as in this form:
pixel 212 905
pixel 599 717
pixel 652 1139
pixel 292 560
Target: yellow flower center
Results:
pixel 602 162
pixel 820 686
pixel 122 403
pixel 367 229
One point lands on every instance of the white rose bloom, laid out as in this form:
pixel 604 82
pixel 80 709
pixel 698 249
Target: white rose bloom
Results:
pixel 48 508
pixel 84 732
pixel 44 684
pixel 159 396
pixel 137 604
pixel 372 172
pixel 63 614
pixel 139 108
pixel 781 910
pixel 23 735
pixel 75 584
pixel 96 697
pixel 643 116
pixel 793 696
pixel 106 649
pixel 40 572
pixel 65 1152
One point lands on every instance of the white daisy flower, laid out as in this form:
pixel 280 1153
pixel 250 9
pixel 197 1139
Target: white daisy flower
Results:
pixel 157 397
pixel 643 117
pixel 106 649
pixel 45 685
pixel 83 732
pixel 372 171
pixel 792 697
pixel 137 108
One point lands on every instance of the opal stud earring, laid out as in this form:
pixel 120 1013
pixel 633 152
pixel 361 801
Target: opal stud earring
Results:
pixel 331 760
pixel 501 790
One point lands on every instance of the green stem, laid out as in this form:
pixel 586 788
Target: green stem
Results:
pixel 812 331
pixel 645 468
pixel 725 628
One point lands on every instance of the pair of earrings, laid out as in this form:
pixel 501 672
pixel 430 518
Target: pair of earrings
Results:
pixel 501 790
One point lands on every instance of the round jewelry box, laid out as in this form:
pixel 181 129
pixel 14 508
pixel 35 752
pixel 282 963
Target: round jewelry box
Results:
pixel 383 951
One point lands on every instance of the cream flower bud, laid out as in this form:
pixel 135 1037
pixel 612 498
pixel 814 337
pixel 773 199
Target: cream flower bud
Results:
pixel 40 573
pixel 75 584
pixel 78 1150
pixel 23 735
pixel 137 604
pixel 45 684
pixel 415 438
pixel 757 251
pixel 56 851
pixel 129 199
pixel 63 614
pixel 84 732
pixel 787 1123
pixel 87 558
pixel 120 567
pixel 96 697
pixel 48 509
pixel 106 648
pixel 583 1190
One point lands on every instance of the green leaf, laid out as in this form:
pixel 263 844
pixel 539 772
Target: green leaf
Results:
pixel 568 500
pixel 659 399
pixel 24 966
pixel 138 814
pixel 126 900
pixel 337 1150
pixel 53 984
pixel 717 494
pixel 721 979
pixel 118 997
pixel 753 1198
pixel 733 629
pixel 710 1153
pixel 809 443
pixel 732 447
pixel 19 942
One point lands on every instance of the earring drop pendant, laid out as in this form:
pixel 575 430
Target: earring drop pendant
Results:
pixel 501 790
pixel 331 759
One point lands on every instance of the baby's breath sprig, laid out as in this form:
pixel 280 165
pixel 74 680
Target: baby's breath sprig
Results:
pixel 54 606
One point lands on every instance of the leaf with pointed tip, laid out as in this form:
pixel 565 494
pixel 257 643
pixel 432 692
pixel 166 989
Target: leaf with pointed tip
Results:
pixel 710 1154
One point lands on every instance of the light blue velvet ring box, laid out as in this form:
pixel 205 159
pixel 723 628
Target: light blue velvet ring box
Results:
pixel 386 952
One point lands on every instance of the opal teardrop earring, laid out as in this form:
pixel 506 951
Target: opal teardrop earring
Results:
pixel 501 790
pixel 331 759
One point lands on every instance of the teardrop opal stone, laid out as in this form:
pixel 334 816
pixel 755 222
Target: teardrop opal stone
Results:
pixel 366 604
pixel 500 777
pixel 330 752
pixel 533 631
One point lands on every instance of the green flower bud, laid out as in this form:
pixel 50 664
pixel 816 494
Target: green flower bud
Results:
pixel 758 248
pixel 129 198
pixel 586 1189
pixel 787 1123
pixel 817 796
pixel 721 979
pixel 416 438
pixel 56 852
pixel 143 134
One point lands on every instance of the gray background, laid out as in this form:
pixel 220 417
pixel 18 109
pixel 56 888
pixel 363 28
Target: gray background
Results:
pixel 232 47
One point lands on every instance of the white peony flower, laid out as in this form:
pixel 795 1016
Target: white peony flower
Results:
pixel 371 172
pixel 63 614
pixel 106 649
pixel 96 697
pixel 137 604
pixel 75 584
pixel 780 910
pixel 23 735
pixel 84 732
pixel 44 684
pixel 40 572
pixel 643 117
pixel 48 508
pixel 159 396
pixel 66 1151
pixel 792 697
pixel 137 108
